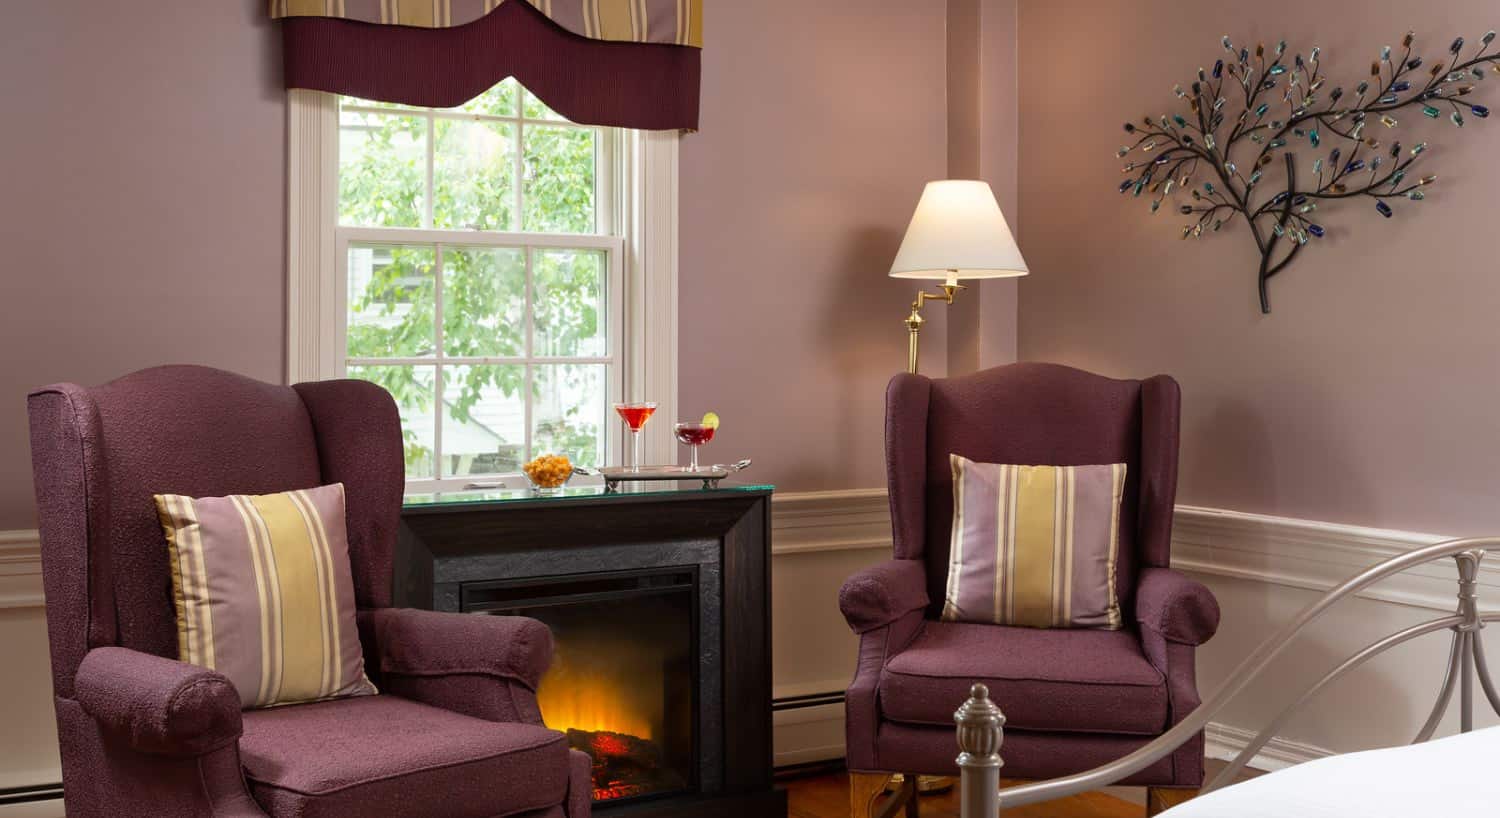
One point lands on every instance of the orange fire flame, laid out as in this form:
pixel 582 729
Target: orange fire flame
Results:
pixel 600 686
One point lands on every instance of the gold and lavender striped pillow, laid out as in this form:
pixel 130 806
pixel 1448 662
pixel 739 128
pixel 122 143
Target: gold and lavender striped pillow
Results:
pixel 264 593
pixel 1034 545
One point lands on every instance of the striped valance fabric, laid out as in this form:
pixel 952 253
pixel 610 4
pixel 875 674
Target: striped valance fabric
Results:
pixel 1034 545
pixel 264 593
pixel 618 63
pixel 671 22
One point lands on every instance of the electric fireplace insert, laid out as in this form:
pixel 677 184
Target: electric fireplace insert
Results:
pixel 624 676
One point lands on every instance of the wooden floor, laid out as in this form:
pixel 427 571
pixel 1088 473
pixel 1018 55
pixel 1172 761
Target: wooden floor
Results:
pixel 827 796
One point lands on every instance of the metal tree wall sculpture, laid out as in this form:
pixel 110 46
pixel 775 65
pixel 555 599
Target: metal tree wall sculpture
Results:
pixel 1277 105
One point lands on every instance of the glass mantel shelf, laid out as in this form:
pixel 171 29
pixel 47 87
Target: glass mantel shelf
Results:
pixel 684 488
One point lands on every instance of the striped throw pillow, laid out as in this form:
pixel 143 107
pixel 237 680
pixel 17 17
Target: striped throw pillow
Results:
pixel 1034 545
pixel 264 593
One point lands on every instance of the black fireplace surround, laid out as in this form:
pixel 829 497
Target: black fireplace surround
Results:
pixel 659 602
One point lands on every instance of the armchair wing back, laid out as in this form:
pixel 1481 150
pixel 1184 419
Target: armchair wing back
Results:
pixel 199 432
pixel 456 730
pixel 1074 698
pixel 1032 414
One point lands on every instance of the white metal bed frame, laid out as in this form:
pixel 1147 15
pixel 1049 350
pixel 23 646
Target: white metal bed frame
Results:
pixel 980 722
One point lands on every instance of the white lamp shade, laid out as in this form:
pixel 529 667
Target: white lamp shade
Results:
pixel 958 232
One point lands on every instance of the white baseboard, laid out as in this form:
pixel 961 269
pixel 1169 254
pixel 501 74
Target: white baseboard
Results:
pixel 808 734
pixel 36 809
pixel 817 734
pixel 1223 743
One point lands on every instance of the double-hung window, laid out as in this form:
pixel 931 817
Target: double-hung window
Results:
pixel 483 273
pixel 488 266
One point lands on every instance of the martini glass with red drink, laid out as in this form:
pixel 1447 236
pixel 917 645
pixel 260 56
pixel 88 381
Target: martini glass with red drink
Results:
pixel 696 434
pixel 635 416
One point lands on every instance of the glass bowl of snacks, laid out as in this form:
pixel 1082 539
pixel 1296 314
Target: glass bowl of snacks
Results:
pixel 549 473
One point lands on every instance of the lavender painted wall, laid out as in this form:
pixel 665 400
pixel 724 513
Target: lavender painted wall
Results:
pixel 965 20
pixel 152 228
pixel 982 123
pixel 821 123
pixel 1368 396
pixel 999 126
pixel 143 215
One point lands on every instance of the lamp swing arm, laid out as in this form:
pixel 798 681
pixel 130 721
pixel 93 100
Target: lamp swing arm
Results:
pixel 1465 622
pixel 914 321
pixel 923 296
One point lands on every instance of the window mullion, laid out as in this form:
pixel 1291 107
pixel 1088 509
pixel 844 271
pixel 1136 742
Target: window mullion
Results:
pixel 463 116
pixel 604 182
pixel 451 361
pixel 519 224
pixel 528 347
pixel 427 214
pixel 437 374
pixel 479 238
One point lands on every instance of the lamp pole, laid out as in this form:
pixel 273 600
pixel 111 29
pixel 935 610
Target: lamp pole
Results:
pixel 915 321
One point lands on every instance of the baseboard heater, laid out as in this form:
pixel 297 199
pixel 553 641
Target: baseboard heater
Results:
pixel 807 700
pixel 30 793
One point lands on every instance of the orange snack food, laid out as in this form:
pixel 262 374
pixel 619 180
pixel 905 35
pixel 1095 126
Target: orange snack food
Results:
pixel 549 471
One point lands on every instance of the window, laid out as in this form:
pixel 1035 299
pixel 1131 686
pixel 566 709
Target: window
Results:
pixel 504 273
pixel 481 266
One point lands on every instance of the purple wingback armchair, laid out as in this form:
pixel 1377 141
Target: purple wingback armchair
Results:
pixel 1073 699
pixel 456 730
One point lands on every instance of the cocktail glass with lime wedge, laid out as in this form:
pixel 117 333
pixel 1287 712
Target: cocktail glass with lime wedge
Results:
pixel 696 434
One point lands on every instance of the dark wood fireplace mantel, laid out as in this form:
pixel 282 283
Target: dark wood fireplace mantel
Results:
pixel 471 540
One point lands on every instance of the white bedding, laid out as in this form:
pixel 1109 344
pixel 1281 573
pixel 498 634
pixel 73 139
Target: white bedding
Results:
pixel 1454 777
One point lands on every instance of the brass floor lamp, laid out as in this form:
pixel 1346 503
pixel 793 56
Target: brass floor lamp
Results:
pixel 956 233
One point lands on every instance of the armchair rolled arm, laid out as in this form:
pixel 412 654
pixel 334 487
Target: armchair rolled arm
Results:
pixel 882 594
pixel 159 706
pixel 1178 609
pixel 429 643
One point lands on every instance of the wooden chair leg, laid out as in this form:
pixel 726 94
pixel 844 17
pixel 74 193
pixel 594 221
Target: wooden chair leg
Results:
pixel 913 795
pixel 1161 799
pixel 864 788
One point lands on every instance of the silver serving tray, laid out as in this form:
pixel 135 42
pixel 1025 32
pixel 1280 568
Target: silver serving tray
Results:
pixel 710 475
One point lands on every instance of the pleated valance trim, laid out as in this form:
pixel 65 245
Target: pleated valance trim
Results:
pixel 666 22
pixel 649 86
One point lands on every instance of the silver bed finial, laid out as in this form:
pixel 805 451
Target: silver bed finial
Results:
pixel 979 737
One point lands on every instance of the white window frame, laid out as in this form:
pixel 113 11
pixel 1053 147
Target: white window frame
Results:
pixel 644 205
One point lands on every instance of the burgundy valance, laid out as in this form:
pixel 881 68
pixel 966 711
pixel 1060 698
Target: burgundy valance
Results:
pixel 635 67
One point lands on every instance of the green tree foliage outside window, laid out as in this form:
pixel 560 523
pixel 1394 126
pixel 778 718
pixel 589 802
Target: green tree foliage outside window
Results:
pixel 383 182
